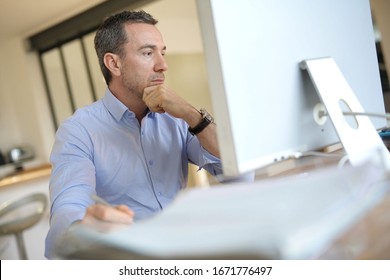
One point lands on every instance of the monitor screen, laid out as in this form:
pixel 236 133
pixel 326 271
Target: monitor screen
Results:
pixel 262 100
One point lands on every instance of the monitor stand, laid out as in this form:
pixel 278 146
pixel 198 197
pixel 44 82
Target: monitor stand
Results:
pixel 360 139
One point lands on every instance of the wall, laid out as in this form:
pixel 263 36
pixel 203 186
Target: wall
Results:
pixel 8 119
pixel 24 117
pixel 187 75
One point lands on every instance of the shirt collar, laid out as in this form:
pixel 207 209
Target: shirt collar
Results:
pixel 116 108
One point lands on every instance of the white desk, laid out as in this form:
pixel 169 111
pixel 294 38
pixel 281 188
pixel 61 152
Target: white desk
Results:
pixel 316 213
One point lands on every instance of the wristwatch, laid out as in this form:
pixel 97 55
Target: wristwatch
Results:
pixel 206 120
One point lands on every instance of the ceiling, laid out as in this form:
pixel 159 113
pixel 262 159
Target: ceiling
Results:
pixel 177 19
pixel 26 17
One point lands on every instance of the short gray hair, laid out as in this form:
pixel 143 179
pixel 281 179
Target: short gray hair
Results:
pixel 111 35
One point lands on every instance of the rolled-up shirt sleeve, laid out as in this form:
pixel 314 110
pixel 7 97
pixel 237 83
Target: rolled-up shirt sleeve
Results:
pixel 201 157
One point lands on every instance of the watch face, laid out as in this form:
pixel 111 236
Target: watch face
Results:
pixel 206 115
pixel 209 117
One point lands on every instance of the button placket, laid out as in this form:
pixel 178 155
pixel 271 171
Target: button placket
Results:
pixel 148 157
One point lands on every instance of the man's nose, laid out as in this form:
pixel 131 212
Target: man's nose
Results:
pixel 160 64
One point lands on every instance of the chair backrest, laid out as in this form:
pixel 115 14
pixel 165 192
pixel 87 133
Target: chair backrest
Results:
pixel 23 213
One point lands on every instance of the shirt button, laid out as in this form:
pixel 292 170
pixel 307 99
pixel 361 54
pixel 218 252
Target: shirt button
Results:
pixel 150 162
pixel 159 193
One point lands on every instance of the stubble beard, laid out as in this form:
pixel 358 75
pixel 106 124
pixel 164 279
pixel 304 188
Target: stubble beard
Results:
pixel 134 87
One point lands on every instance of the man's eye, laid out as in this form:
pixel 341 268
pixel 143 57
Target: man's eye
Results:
pixel 151 53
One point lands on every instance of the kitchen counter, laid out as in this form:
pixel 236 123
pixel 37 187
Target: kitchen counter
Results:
pixel 26 175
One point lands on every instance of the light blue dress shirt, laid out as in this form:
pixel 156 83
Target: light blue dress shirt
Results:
pixel 103 149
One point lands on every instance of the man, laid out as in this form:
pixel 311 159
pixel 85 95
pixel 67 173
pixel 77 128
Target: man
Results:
pixel 132 147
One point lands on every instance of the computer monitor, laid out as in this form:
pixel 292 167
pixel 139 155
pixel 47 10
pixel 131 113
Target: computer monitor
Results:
pixel 262 100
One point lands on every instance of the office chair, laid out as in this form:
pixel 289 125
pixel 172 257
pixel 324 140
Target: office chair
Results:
pixel 21 214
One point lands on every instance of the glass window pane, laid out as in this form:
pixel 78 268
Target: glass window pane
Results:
pixel 97 76
pixel 57 85
pixel 77 73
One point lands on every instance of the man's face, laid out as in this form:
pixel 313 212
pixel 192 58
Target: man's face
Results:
pixel 143 64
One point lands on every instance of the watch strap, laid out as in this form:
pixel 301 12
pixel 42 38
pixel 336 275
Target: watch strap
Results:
pixel 206 120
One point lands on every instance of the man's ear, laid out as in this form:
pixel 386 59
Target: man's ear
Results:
pixel 112 63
